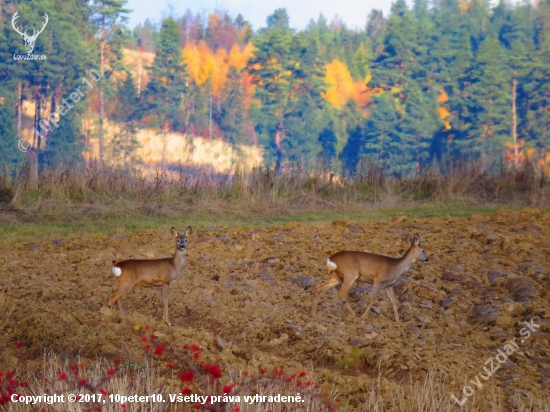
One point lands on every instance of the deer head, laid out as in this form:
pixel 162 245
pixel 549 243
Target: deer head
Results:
pixel 29 40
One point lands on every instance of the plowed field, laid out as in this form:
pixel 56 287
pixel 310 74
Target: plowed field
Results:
pixel 253 289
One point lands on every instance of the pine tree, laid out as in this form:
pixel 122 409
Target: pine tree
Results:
pixel 46 82
pixel 352 152
pixel 352 120
pixel 398 63
pixel 267 68
pixel 542 24
pixel 362 60
pixel 404 55
pixel 286 71
pixel 108 15
pixel 536 82
pixel 126 104
pixel 126 101
pixel 232 113
pixel 376 26
pixel 10 154
pixel 168 83
pixel 538 89
pixel 517 34
pixel 197 108
pixel 444 48
pixel 416 130
pixel 145 36
pixel 12 82
pixel 423 42
pixel 477 22
pixel 327 139
pixel 489 102
pixel 305 101
pixel 66 143
pixel 382 133
pixel 454 138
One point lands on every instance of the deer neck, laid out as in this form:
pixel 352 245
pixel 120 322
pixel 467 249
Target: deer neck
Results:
pixel 178 260
pixel 405 262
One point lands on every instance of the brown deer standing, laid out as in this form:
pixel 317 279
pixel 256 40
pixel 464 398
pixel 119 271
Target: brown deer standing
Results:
pixel 150 273
pixel 382 271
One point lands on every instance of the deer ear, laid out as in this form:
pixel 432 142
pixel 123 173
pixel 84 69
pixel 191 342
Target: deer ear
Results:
pixel 188 231
pixel 174 232
pixel 416 240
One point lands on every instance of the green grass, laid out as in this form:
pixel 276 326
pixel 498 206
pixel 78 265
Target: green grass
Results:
pixel 32 232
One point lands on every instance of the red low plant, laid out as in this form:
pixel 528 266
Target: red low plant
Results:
pixel 200 374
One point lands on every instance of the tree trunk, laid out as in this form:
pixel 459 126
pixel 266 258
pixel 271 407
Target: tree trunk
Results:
pixel 139 78
pixel 140 68
pixel 210 136
pixel 19 109
pixel 37 137
pixel 279 135
pixel 380 149
pixel 52 111
pixel 514 124
pixel 101 95
pixel 88 127
pixel 165 130
pixel 32 156
pixel 165 146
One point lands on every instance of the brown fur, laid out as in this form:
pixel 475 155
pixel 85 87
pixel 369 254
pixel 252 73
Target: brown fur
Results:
pixel 151 273
pixel 381 271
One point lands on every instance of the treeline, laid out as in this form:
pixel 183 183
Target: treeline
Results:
pixel 444 80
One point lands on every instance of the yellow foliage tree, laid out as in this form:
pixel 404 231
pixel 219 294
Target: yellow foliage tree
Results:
pixel 206 67
pixel 239 58
pixel 444 113
pixel 341 87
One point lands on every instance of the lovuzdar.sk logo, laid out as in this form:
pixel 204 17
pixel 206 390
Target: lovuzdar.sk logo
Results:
pixel 29 40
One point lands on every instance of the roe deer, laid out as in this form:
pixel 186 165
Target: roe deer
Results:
pixel 382 271
pixel 150 273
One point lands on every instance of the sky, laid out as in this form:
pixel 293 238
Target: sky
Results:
pixel 352 12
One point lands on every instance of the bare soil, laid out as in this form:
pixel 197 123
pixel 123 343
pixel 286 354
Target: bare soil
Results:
pixel 247 294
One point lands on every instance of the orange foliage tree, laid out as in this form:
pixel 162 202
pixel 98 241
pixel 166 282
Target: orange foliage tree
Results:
pixel 341 87
pixel 211 68
pixel 444 113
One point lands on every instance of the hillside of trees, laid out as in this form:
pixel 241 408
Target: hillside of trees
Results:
pixel 443 80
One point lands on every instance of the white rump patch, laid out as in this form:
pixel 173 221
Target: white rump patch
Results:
pixel 331 265
pixel 117 271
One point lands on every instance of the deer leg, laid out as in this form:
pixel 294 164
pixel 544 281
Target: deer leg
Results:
pixel 121 311
pixel 391 295
pixel 374 292
pixel 122 290
pixel 344 290
pixel 333 281
pixel 165 296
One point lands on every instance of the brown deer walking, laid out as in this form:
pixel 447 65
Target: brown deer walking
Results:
pixel 382 271
pixel 150 273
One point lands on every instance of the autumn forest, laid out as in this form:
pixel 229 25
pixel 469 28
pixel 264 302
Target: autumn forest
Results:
pixel 415 89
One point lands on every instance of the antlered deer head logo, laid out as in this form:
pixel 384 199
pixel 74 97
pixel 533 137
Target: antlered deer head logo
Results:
pixel 29 40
